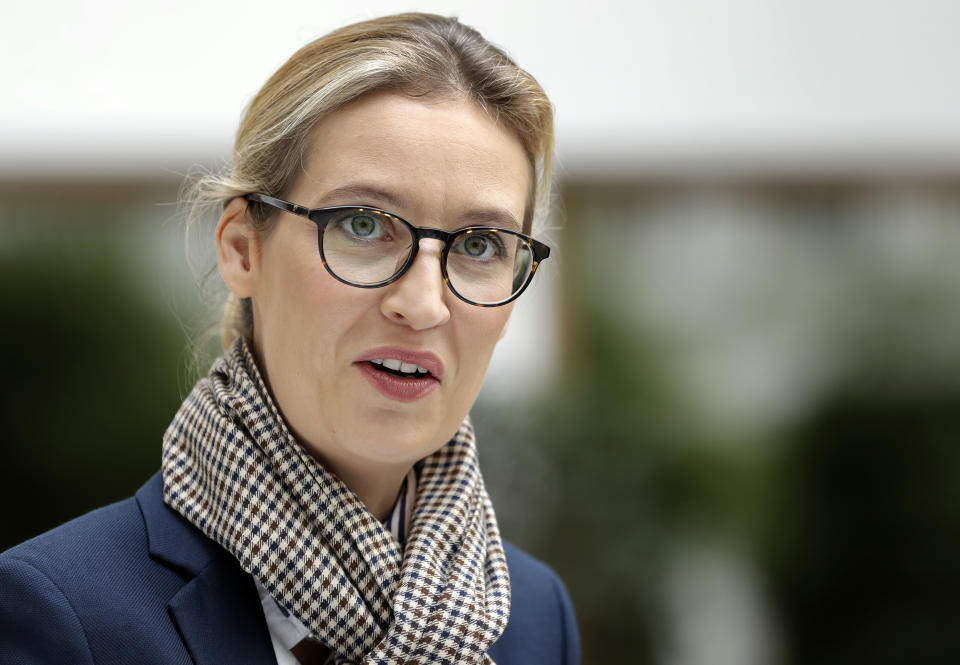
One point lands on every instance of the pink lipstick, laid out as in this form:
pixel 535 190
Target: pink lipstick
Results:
pixel 402 375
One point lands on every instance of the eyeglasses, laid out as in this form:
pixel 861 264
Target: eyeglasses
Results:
pixel 369 248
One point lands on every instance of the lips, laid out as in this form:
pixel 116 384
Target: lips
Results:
pixel 402 375
pixel 423 359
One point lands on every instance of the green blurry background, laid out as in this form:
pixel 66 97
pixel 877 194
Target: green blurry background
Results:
pixel 740 445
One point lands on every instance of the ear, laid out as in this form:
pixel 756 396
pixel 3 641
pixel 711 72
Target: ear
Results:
pixel 237 249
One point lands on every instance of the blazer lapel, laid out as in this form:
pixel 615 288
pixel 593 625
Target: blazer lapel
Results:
pixel 217 612
pixel 220 618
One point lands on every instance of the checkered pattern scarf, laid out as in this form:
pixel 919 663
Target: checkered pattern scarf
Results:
pixel 231 467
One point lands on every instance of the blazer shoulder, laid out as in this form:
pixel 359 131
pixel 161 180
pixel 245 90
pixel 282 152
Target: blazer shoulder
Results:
pixel 95 558
pixel 79 582
pixel 46 584
pixel 31 606
pixel 526 565
pixel 84 540
pixel 543 625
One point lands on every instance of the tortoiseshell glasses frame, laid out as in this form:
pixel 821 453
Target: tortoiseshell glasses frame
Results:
pixel 522 273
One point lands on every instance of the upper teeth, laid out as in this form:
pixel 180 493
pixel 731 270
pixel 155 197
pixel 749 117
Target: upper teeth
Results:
pixel 399 366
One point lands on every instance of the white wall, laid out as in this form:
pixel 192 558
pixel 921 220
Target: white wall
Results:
pixel 646 86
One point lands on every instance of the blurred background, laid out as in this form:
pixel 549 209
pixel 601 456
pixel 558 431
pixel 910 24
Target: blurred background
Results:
pixel 727 413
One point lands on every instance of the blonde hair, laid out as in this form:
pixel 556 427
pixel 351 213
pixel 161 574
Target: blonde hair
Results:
pixel 414 53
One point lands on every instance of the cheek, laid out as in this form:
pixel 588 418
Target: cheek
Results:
pixel 482 331
pixel 498 322
pixel 295 296
pixel 294 275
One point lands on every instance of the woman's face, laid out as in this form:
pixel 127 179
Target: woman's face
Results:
pixel 434 162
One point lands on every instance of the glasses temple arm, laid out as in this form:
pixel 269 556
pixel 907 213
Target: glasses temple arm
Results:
pixel 279 203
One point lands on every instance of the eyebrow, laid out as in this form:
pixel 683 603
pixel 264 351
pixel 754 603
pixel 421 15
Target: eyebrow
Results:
pixel 492 217
pixel 357 193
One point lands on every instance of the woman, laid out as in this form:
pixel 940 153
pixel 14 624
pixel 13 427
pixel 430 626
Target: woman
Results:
pixel 320 498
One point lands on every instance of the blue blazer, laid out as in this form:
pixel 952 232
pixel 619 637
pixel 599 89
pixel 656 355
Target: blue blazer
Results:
pixel 136 583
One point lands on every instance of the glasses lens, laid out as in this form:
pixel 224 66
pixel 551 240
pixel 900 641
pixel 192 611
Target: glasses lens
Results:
pixel 365 246
pixel 489 266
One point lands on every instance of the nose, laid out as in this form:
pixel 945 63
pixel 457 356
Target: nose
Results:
pixel 418 298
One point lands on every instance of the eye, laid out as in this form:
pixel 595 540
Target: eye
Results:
pixel 362 225
pixel 479 245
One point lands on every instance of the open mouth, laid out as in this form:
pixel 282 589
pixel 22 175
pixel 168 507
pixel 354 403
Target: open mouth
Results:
pixel 405 381
pixel 399 369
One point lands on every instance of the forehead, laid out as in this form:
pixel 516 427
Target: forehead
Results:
pixel 436 159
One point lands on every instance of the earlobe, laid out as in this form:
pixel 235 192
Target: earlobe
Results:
pixel 236 249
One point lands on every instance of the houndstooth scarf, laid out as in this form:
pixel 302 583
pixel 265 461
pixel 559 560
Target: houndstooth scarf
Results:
pixel 231 467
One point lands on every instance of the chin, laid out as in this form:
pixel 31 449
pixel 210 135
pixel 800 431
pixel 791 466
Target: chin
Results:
pixel 396 440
